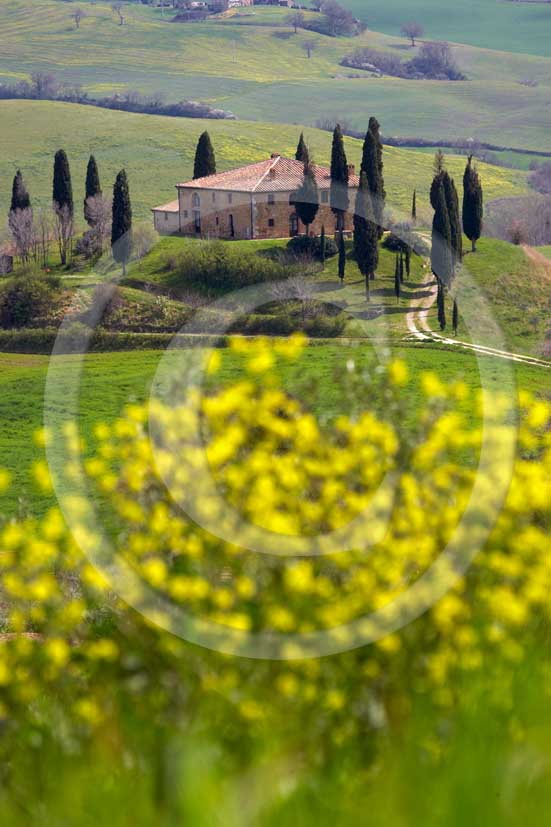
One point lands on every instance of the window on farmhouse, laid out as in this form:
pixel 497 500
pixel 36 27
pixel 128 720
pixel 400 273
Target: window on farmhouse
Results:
pixel 230 198
pixel 271 222
pixel 196 201
pixel 325 197
pixel 271 198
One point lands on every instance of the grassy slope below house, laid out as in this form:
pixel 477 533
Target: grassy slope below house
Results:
pixel 517 289
pixel 111 380
pixel 241 63
pixel 157 152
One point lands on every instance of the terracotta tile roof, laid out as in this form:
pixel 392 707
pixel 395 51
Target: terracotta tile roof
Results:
pixel 276 174
pixel 174 206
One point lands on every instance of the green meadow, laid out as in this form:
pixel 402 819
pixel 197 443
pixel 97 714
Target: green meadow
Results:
pixel 509 25
pixel 158 152
pixel 241 63
pixel 112 380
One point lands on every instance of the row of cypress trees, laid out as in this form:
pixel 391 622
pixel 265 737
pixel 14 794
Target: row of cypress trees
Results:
pixel 63 206
pixel 447 227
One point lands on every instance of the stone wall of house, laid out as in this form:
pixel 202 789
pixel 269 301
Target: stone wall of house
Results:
pixel 166 223
pixel 215 213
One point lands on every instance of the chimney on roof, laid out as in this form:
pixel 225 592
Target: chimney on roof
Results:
pixel 275 155
pixel 351 170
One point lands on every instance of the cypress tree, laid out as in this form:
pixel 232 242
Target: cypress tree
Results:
pixel 473 207
pixel 408 261
pixel 441 306
pixel 92 188
pixel 302 153
pixel 306 198
pixel 414 205
pixel 121 230
pixel 397 280
pixel 441 251
pixel 322 245
pixel 20 199
pixel 62 198
pixel 452 205
pixel 342 257
pixel 438 164
pixel 455 317
pixel 205 161
pixel 338 196
pixel 372 166
pixel 366 249
pixel 62 187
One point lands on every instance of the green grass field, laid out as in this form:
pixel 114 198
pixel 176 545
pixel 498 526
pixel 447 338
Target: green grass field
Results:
pixel 112 380
pixel 511 26
pixel 240 63
pixel 158 152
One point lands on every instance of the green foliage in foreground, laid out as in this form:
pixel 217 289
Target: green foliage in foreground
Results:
pixel 457 697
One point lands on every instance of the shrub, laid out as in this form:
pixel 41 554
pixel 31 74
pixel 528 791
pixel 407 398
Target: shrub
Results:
pixel 371 60
pixel 435 60
pixel 303 245
pixel 221 267
pixel 24 298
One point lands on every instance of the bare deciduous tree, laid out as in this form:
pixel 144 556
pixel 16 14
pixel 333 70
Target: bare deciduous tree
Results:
pixel 77 15
pixel 63 229
pixel 98 215
pixel 118 8
pixel 309 46
pixel 412 30
pixel 43 85
pixel 296 20
pixel 21 227
pixel 41 237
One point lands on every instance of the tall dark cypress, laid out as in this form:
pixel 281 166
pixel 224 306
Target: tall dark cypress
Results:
pixel 452 204
pixel 372 165
pixel 408 261
pixel 366 249
pixel 302 153
pixel 340 176
pixel 205 161
pixel 342 257
pixel 401 265
pixel 441 250
pixel 121 229
pixel 306 198
pixel 20 198
pixel 92 188
pixel 397 279
pixel 441 306
pixel 414 205
pixel 455 317
pixel 62 196
pixel 473 206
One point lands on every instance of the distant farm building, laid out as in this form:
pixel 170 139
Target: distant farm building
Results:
pixel 254 201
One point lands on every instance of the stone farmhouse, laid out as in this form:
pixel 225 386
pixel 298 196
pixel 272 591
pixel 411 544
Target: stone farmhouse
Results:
pixel 249 202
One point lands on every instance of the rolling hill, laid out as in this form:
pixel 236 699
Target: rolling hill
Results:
pixel 509 25
pixel 253 64
pixel 158 152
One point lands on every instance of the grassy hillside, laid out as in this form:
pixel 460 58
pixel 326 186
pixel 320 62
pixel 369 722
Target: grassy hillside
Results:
pixel 517 27
pixel 158 152
pixel 242 63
